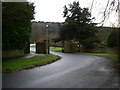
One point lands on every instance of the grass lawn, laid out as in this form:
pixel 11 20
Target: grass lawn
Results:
pixel 56 49
pixel 109 55
pixel 32 51
pixel 19 64
pixel 33 46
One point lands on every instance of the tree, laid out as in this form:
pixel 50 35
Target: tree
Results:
pixel 68 31
pixel 16 24
pixel 78 25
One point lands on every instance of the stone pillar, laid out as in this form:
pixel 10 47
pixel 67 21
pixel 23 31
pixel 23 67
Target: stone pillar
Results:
pixel 41 47
pixel 70 47
pixel 27 49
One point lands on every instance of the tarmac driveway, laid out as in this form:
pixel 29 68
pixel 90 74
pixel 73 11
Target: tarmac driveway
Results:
pixel 72 71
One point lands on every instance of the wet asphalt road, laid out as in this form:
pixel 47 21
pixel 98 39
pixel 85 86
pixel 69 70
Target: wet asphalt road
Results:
pixel 72 71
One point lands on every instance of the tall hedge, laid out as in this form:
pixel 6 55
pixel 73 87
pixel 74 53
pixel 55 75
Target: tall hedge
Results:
pixel 16 24
pixel 113 39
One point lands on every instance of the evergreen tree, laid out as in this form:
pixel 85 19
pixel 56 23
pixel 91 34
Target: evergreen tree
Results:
pixel 78 25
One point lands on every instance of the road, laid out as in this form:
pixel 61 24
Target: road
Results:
pixel 72 71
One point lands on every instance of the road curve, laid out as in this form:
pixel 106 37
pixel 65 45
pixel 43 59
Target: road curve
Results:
pixel 72 71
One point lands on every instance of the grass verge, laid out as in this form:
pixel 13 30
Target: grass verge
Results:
pixel 56 49
pixel 109 55
pixel 19 64
pixel 33 46
pixel 32 51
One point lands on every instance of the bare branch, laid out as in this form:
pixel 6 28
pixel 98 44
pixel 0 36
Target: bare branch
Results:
pixel 91 6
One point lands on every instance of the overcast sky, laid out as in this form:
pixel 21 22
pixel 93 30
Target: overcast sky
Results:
pixel 52 10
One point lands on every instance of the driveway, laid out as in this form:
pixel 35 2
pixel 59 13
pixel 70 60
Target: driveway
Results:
pixel 72 71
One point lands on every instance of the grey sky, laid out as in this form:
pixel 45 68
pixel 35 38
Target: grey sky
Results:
pixel 52 10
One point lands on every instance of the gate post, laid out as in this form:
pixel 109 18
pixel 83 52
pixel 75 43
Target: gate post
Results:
pixel 41 47
pixel 70 47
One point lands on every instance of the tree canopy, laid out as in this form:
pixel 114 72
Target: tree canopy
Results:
pixel 16 24
pixel 78 25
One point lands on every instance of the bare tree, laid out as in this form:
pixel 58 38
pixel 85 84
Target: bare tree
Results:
pixel 111 6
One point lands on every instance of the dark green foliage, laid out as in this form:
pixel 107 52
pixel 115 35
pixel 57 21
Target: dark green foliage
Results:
pixel 113 39
pixel 68 31
pixel 16 24
pixel 78 25
pixel 87 43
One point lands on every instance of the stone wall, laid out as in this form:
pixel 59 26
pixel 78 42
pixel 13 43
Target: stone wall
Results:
pixel 12 53
pixel 70 47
